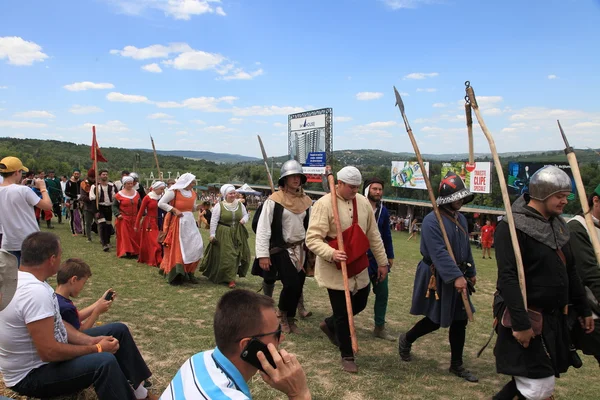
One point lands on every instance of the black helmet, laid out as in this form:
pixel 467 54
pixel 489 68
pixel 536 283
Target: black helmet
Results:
pixel 452 188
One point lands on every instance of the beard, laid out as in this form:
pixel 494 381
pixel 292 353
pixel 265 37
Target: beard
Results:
pixel 373 198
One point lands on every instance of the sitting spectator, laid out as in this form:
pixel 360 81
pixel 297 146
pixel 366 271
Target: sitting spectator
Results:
pixel 40 356
pixel 8 282
pixel 71 278
pixel 222 373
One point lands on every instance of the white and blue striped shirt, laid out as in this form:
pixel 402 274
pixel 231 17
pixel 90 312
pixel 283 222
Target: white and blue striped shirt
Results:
pixel 207 375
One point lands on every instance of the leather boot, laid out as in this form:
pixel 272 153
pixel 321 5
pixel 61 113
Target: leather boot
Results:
pixel 349 365
pixel 301 310
pixel 268 289
pixel 193 279
pixel 381 333
pixel 285 325
pixel 49 224
pixel 293 327
pixel 404 348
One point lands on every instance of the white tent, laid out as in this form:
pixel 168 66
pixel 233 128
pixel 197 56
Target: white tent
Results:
pixel 246 189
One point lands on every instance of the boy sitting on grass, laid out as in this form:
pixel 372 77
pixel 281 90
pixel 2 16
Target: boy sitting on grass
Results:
pixel 71 278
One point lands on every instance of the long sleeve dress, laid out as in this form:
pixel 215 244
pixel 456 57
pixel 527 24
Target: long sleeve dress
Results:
pixel 183 245
pixel 229 254
pixel 126 207
pixel 150 249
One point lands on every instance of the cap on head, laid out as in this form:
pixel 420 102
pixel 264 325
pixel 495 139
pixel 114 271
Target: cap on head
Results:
pixel 291 167
pixel 452 188
pixel 548 181
pixel 350 175
pixel 135 176
pixel 12 164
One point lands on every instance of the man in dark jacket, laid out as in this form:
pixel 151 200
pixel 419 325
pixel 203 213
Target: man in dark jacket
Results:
pixel 551 284
pixel 373 190
pixel 56 195
pixel 73 194
pixel 439 298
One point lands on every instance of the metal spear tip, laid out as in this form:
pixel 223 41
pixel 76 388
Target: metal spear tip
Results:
pixel 399 101
pixel 568 149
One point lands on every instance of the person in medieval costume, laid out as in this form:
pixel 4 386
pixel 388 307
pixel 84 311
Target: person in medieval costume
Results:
pixel 55 192
pixel 358 223
pixel 439 280
pixel 106 192
pixel 182 243
pixel 73 193
pixel 125 208
pixel 227 254
pixel 280 235
pixel 147 222
pixel 89 205
pixel 589 272
pixel 533 344
pixel 137 185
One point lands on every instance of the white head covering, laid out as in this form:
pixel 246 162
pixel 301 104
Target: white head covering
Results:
pixel 183 181
pixel 158 184
pixel 126 179
pixel 227 188
pixel 350 175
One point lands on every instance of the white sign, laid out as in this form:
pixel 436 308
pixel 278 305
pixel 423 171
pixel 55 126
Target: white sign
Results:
pixel 408 175
pixel 307 123
pixel 481 178
pixel 313 170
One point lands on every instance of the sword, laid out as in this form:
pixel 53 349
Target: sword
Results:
pixel 264 154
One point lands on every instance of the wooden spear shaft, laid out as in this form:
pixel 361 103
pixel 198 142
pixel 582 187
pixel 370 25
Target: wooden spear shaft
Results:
pixel 96 169
pixel 469 116
pixel 436 210
pixel 155 158
pixel 581 193
pixel 265 159
pixel 340 239
pixel 504 190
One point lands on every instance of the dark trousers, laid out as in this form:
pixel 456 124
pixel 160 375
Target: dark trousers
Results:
pixel 381 291
pixel 456 336
pixel 105 228
pixel 88 220
pixel 293 282
pixel 57 210
pixel 110 374
pixel 338 322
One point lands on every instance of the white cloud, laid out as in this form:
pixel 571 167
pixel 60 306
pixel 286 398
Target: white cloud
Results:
pixel 399 4
pixel 552 76
pixel 487 101
pixel 195 60
pixel 542 113
pixel 181 133
pixel 208 104
pixel 421 75
pixel 381 124
pixel 279 125
pixel 34 114
pixel 198 121
pixel 21 124
pixel 77 109
pixel 159 116
pixel 491 111
pixel 3 87
pixel 170 122
pixel 368 95
pixel 176 9
pixel 439 105
pixel 154 67
pixel 114 126
pixel 428 90
pixel 79 86
pixel 342 119
pixel 153 51
pixel 240 74
pixel 218 129
pixel 236 121
pixel 20 52
pixel 264 111
pixel 586 125
pixel 126 98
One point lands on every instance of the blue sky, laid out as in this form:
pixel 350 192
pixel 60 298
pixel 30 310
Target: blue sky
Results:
pixel 210 75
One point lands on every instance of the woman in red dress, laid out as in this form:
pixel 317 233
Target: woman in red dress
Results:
pixel 150 249
pixel 125 208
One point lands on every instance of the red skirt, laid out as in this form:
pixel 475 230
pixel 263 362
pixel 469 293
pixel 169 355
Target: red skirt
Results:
pixel 128 241
pixel 150 249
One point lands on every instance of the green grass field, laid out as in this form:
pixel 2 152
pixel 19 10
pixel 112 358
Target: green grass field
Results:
pixel 172 323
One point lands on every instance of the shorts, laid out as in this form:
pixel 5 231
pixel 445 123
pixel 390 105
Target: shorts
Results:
pixel 487 244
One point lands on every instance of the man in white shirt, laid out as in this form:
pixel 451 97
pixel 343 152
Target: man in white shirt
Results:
pixel 106 193
pixel 40 356
pixel 17 218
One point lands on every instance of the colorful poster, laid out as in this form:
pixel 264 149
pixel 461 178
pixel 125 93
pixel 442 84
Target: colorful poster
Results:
pixel 408 174
pixel 477 177
pixel 519 174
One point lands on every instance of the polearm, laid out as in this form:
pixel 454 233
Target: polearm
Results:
pixel 436 211
pixel 581 192
pixel 155 158
pixel 96 169
pixel 503 188
pixel 469 116
pixel 265 159
pixel 340 239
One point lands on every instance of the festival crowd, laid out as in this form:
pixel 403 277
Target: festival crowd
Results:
pixel 51 347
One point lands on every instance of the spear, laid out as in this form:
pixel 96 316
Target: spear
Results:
pixel 155 157
pixel 581 192
pixel 469 116
pixel 503 188
pixel 436 211
pixel 265 159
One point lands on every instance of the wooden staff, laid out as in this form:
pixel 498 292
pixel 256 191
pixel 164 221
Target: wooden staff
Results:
pixel 581 192
pixel 469 116
pixel 340 239
pixel 436 211
pixel 155 158
pixel 265 159
pixel 95 144
pixel 503 189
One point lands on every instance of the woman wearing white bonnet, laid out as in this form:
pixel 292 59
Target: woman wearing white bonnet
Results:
pixel 183 245
pixel 125 208
pixel 227 254
pixel 148 224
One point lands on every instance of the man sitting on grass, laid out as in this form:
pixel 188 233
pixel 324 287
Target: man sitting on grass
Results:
pixel 40 356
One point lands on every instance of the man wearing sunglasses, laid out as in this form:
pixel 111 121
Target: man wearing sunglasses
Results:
pixel 244 322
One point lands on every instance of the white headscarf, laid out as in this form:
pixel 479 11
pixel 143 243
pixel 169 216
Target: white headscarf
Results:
pixel 227 188
pixel 350 175
pixel 158 184
pixel 126 179
pixel 183 181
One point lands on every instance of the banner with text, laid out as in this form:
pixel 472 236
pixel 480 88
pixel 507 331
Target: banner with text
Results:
pixel 408 174
pixel 477 177
pixel 519 174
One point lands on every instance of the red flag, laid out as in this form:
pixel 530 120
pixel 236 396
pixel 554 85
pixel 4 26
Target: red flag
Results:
pixel 96 149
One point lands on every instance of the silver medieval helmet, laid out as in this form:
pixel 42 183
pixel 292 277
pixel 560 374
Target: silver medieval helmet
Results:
pixel 548 181
pixel 291 167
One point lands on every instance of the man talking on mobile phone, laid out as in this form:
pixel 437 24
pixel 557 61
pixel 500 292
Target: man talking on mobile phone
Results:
pixel 244 322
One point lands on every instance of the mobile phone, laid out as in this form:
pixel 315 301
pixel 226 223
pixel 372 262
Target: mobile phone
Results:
pixel 249 354
pixel 109 296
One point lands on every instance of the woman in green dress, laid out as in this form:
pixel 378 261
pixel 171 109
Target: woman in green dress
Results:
pixel 228 253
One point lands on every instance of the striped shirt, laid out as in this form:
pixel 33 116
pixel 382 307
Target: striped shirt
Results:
pixel 207 375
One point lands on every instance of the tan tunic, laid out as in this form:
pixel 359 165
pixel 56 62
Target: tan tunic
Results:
pixel 322 225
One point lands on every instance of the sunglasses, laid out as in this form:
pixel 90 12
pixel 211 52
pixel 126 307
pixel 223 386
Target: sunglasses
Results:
pixel 277 334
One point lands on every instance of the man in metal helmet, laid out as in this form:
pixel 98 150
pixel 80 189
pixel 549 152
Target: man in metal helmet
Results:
pixel 536 350
pixel 280 235
pixel 439 280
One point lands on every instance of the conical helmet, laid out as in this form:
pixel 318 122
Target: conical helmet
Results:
pixel 291 167
pixel 548 181
pixel 452 188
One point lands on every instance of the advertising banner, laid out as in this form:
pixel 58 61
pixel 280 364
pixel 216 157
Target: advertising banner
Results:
pixel 477 177
pixel 408 174
pixel 519 174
